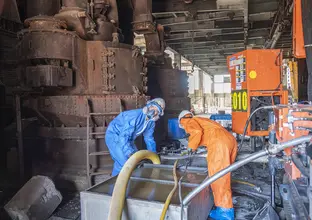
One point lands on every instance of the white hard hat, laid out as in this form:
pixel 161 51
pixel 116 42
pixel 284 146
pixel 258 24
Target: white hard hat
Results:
pixel 159 103
pixel 182 115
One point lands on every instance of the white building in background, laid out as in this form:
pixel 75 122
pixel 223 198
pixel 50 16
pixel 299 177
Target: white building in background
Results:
pixel 216 95
pixel 209 94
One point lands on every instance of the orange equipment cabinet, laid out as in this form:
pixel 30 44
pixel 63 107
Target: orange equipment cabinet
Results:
pixel 255 82
pixel 298 41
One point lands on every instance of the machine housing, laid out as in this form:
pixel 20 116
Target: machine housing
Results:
pixel 255 82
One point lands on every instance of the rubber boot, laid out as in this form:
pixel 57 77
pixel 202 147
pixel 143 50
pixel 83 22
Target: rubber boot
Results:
pixel 222 214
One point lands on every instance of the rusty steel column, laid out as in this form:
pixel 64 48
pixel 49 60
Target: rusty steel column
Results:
pixel 142 17
pixel 94 20
pixel 155 45
pixel 19 135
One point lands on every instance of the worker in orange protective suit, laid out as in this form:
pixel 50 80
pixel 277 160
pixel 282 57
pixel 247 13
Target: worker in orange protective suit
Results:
pixel 222 149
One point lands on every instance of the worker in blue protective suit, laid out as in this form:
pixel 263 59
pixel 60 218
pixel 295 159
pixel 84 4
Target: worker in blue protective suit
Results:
pixel 127 126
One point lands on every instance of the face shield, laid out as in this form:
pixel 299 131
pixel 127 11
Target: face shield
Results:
pixel 154 109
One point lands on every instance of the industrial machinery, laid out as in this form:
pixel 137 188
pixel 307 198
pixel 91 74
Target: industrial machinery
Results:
pixel 75 74
pixel 80 93
pixel 255 82
pixel 289 123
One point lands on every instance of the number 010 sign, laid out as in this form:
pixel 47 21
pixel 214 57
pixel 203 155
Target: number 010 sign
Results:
pixel 239 101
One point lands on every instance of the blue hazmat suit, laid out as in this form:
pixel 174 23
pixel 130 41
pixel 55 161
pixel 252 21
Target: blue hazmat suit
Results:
pixel 122 132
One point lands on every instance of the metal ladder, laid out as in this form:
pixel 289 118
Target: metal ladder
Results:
pixel 90 134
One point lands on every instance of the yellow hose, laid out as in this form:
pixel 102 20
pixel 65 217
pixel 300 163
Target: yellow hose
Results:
pixel 119 193
pixel 167 203
pixel 244 183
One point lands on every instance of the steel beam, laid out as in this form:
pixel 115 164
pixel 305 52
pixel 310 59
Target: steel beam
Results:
pixel 282 22
pixel 212 48
pixel 263 6
pixel 261 16
pixel 220 35
pixel 195 58
pixel 207 44
pixel 211 59
pixel 208 26
pixel 206 63
pixel 178 6
pixel 207 70
pixel 206 16
pixel 202 36
pixel 261 24
pixel 221 71
pixel 215 66
pixel 208 51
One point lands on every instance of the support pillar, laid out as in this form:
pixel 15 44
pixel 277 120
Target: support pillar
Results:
pixel 199 94
pixel 177 61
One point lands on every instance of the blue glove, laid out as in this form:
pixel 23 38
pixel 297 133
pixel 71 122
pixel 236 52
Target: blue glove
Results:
pixel 222 214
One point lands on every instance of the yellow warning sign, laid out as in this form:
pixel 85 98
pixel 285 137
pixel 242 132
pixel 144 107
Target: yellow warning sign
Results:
pixel 253 74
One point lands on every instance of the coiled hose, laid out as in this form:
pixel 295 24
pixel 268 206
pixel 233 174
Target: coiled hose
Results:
pixel 119 193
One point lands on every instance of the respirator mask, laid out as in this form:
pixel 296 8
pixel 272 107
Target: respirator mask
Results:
pixel 150 113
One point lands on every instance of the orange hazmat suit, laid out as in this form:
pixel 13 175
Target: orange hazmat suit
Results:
pixel 222 149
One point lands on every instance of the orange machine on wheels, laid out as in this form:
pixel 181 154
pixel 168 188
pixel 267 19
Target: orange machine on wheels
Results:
pixel 255 82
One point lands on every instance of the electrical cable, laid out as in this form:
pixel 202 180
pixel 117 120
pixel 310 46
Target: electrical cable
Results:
pixel 180 197
pixel 168 200
pixel 180 183
pixel 248 120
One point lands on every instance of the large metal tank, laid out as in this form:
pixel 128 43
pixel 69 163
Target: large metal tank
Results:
pixel 147 191
pixel 48 64
pixel 89 67
pixel 70 78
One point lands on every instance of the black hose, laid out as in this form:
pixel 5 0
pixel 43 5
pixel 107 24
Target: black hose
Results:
pixel 297 161
pixel 248 120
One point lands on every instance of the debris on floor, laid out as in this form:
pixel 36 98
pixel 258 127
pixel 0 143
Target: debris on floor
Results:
pixel 69 209
pixel 37 199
